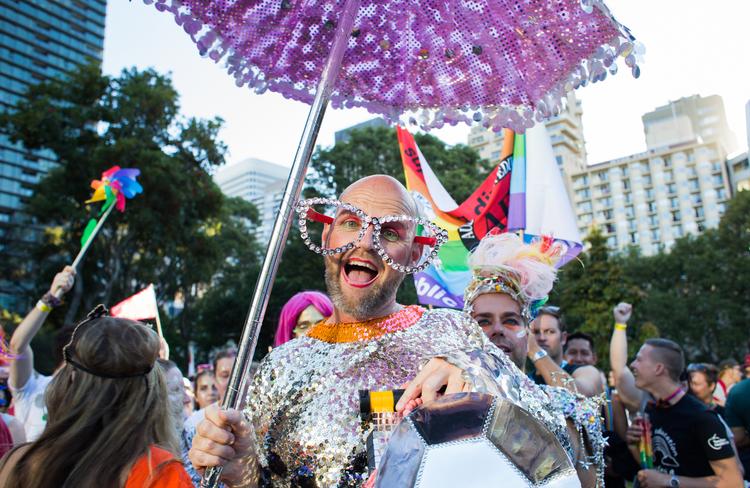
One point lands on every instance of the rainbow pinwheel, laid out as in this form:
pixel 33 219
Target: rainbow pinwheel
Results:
pixel 117 184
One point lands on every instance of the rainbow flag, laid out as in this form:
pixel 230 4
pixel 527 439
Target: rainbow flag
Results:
pixel 501 203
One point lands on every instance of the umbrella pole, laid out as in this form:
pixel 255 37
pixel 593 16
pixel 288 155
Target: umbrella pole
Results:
pixel 254 320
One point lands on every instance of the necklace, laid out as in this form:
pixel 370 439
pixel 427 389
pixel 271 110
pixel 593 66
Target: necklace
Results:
pixel 343 332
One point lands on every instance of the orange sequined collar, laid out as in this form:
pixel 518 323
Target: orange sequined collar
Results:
pixel 367 330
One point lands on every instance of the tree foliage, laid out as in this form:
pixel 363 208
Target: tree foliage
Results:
pixel 179 234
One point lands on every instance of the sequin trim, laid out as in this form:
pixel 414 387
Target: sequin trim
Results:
pixel 370 329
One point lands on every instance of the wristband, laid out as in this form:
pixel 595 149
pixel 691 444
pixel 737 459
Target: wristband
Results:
pixel 620 326
pixel 43 307
pixel 541 353
pixel 51 300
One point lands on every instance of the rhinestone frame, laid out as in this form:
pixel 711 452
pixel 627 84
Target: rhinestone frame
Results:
pixel 303 206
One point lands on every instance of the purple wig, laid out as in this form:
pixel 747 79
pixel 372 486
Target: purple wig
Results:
pixel 294 307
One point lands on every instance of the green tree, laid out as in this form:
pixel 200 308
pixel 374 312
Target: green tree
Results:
pixel 178 234
pixel 589 288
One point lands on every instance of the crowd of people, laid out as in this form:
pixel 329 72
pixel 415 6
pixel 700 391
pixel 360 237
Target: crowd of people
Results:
pixel 117 412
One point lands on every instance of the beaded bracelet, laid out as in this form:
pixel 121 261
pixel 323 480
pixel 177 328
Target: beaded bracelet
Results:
pixel 51 300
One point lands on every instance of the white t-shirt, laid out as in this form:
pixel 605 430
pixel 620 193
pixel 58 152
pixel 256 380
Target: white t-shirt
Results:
pixel 29 407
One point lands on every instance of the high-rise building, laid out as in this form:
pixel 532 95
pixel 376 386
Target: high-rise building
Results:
pixel 343 135
pixel 652 198
pixel 259 182
pixel 747 123
pixel 688 119
pixel 566 135
pixel 739 172
pixel 39 40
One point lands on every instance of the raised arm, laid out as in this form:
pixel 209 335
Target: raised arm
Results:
pixel 22 366
pixel 618 357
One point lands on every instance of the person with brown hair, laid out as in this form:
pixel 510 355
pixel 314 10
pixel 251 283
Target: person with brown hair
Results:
pixel 109 423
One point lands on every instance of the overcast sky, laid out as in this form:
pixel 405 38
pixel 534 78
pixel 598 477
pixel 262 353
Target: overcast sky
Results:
pixel 692 47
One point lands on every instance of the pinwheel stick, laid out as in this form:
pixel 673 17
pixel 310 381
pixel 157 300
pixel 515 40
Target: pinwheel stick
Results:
pixel 91 238
pixel 249 340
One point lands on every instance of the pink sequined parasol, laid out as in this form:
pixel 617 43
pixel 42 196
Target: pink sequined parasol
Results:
pixel 503 63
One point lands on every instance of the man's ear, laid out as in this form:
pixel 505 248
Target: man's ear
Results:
pixel 564 338
pixel 325 235
pixel 659 369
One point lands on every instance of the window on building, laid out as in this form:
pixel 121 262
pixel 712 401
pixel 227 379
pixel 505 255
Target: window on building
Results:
pixel 632 224
pixel 650 194
pixel 651 207
pixel 608 214
pixel 495 155
pixel 628 197
pixel 624 171
pixel 646 180
pixel 676 216
pixel 691 157
pixel 693 184
pixel 583 193
pixel 629 211
pixel 634 238
pixel 721 207
pixel 655 235
pixel 696 199
pixel 701 226
pixel 717 180
pixel 559 160
pixel 626 184
pixel 677 231
pixel 667 162
pixel 671 188
pixel 584 207
pixel 692 172
pixel 721 194
pixel 603 189
pixel 716 167
pixel 674 202
pixel 612 242
pixel 477 140
pixel 602 176
pixel 653 221
pixel 668 176
pixel 586 218
pixel 609 228
pixel 605 202
pixel 699 213
pixel 582 181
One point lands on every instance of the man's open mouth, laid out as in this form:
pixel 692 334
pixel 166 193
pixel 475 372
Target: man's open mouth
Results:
pixel 359 273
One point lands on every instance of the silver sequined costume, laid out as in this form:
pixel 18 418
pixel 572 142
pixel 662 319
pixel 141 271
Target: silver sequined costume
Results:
pixel 304 401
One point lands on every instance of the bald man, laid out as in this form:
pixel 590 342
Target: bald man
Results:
pixel 304 427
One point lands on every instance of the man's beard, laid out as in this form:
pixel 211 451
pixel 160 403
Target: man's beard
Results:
pixel 362 308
